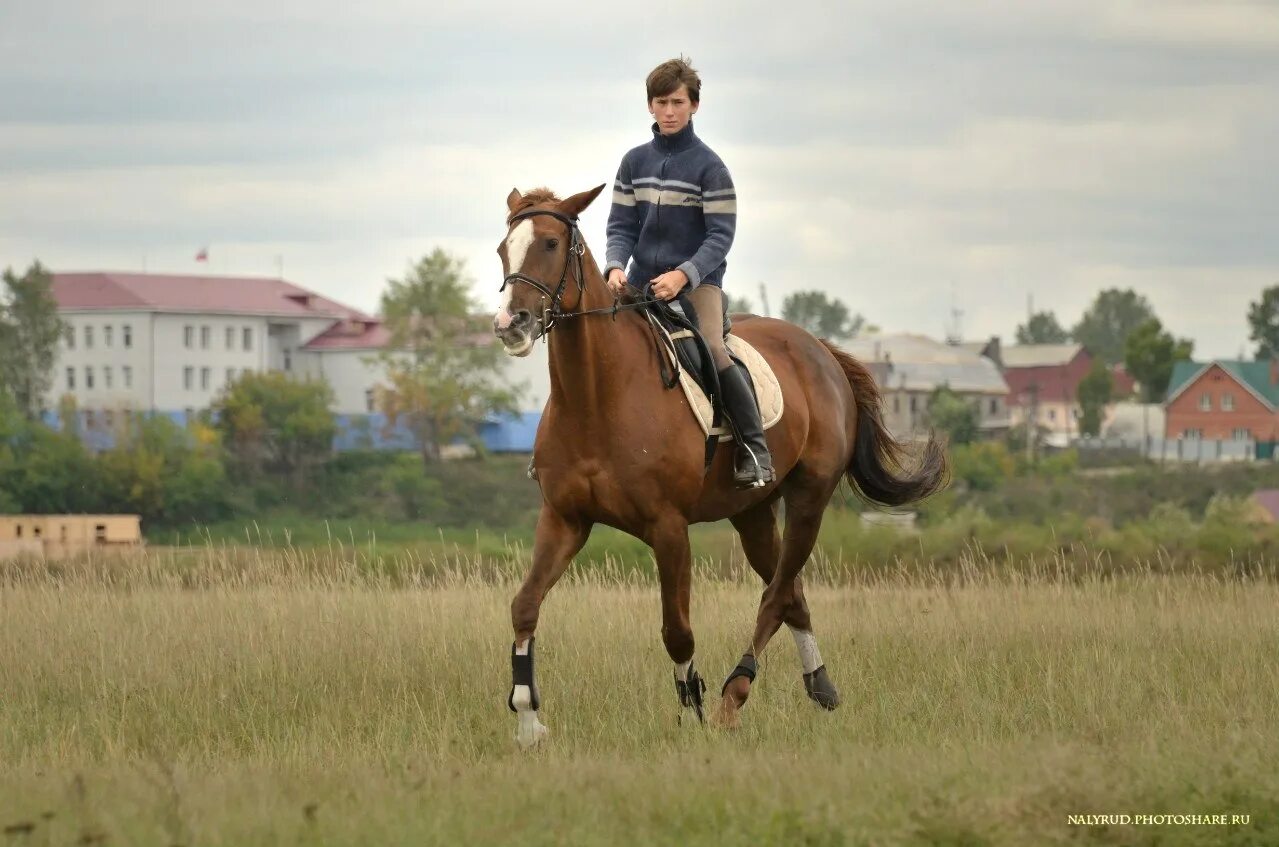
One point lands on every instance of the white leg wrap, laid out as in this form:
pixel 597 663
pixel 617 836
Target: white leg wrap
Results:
pixel 806 644
pixel 530 730
pixel 681 671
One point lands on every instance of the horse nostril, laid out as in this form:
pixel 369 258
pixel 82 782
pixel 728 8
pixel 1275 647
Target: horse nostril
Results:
pixel 523 317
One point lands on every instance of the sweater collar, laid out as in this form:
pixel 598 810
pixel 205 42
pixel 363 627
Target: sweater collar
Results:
pixel 681 140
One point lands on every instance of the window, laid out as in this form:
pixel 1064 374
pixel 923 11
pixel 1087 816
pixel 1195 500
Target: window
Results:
pixel 913 405
pixel 1193 434
pixel 106 376
pixel 204 379
pixel 1227 402
pixel 368 399
pixel 205 334
pixel 188 378
pixel 88 338
pixel 244 372
pixel 230 338
pixel 127 373
pixel 70 336
pixel 126 335
pixel 1052 414
pixel 1205 402
pixel 107 334
pixel 230 375
pixel 288 359
pixel 19 530
pixel 70 379
pixel 188 336
pixel 100 533
pixel 62 532
pixel 108 418
pixel 246 338
pixel 1241 433
pixel 88 418
pixel 35 531
pixel 88 376
pixel 994 406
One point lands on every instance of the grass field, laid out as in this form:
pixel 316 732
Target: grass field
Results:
pixel 264 698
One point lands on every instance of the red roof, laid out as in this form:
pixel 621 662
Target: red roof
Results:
pixel 366 334
pixel 233 294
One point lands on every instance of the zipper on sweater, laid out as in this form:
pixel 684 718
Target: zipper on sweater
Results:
pixel 661 177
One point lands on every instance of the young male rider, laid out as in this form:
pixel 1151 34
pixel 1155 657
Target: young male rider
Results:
pixel 673 216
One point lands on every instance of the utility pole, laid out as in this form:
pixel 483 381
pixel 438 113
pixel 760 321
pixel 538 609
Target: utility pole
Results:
pixel 763 300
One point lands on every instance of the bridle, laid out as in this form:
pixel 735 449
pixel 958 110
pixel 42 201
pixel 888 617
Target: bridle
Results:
pixel 576 249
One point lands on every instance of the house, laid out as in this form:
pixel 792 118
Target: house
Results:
pixel 1043 382
pixel 909 368
pixel 168 344
pixel 64 535
pixel 1226 400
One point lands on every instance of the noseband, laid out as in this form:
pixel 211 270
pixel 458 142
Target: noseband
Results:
pixel 576 247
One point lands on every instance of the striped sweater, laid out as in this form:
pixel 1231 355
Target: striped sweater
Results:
pixel 674 207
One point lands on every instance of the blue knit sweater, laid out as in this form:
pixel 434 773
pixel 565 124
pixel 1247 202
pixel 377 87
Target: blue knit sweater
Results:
pixel 674 207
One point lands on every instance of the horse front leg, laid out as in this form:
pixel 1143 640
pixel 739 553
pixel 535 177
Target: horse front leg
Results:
pixel 556 541
pixel 669 540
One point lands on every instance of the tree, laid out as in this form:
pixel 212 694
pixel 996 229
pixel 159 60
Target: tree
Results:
pixel 443 365
pixel 1263 323
pixel 271 421
pixel 1042 328
pixel 737 304
pixel 825 317
pixel 952 414
pixel 1149 355
pixel 168 474
pixel 1105 327
pixel 29 332
pixel 1094 394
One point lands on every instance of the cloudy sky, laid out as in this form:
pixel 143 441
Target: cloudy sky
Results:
pixel 908 157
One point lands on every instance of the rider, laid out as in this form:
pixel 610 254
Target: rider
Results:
pixel 673 216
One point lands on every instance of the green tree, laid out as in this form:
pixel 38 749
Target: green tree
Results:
pixel 1263 323
pixel 29 332
pixel 825 317
pixel 1105 327
pixel 1042 328
pixel 952 414
pixel 737 304
pixel 166 474
pixel 443 367
pixel 1094 394
pixel 272 422
pixel 1149 355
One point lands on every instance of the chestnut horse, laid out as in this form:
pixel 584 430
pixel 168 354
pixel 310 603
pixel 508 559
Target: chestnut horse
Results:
pixel 614 448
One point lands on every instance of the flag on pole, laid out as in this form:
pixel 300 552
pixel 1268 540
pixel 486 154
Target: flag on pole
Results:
pixel 203 255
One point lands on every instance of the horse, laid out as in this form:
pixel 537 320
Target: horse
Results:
pixel 614 448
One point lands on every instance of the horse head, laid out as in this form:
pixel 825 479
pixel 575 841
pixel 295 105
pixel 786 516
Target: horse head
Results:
pixel 542 265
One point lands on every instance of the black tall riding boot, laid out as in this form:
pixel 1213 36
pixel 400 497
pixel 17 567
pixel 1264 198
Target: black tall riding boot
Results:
pixel 754 464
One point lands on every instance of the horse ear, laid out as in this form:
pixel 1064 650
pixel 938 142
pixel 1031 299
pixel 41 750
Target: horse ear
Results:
pixel 576 204
pixel 513 199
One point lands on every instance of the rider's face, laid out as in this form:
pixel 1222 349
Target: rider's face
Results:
pixel 672 111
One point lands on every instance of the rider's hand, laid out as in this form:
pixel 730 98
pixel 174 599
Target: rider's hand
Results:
pixel 617 281
pixel 669 284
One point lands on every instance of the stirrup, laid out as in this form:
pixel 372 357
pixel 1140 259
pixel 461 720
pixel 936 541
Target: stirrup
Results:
pixel 754 475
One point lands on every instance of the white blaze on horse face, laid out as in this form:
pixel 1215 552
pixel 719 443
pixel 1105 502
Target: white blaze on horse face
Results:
pixel 517 244
pixel 806 644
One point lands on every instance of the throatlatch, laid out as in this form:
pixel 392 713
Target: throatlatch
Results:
pixel 522 674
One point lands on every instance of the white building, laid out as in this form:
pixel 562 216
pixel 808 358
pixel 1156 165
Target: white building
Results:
pixel 153 342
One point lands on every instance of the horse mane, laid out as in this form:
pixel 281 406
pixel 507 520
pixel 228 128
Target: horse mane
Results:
pixel 534 197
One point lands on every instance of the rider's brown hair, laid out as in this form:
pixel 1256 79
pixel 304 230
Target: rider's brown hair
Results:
pixel 670 75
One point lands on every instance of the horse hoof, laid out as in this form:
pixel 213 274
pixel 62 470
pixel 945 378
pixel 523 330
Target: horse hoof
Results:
pixel 531 731
pixel 820 689
pixel 726 715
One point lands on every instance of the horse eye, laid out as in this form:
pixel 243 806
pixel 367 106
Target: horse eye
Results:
pixel 552 243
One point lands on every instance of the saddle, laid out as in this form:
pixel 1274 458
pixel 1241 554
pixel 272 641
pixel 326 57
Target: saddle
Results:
pixel 693 368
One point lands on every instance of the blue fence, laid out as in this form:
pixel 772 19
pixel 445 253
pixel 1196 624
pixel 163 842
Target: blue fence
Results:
pixel 506 434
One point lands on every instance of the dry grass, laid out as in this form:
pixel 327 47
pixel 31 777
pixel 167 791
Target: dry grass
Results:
pixel 211 697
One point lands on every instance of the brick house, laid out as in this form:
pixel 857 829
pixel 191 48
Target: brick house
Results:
pixel 1225 400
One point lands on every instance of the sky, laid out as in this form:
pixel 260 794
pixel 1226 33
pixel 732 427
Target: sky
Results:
pixel 938 166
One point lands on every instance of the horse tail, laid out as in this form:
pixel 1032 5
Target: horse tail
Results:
pixel 878 467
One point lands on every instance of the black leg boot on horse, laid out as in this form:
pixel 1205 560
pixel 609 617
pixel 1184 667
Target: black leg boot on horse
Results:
pixel 753 464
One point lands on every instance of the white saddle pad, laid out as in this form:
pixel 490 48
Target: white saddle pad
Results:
pixel 768 392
